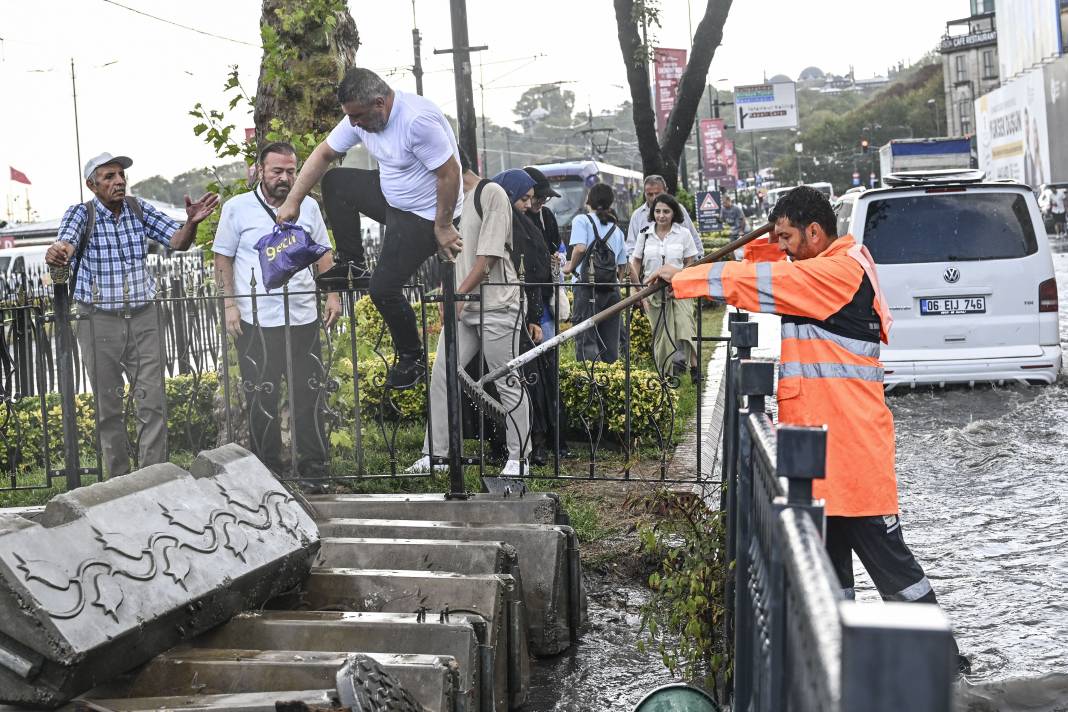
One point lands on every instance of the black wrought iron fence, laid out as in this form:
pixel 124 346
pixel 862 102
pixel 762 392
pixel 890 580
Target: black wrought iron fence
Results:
pixel 798 645
pixel 289 387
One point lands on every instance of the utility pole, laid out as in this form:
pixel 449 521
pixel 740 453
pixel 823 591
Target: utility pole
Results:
pixel 417 67
pixel 77 134
pixel 461 66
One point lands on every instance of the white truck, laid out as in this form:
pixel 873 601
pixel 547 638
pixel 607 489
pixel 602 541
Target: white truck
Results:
pixel 924 154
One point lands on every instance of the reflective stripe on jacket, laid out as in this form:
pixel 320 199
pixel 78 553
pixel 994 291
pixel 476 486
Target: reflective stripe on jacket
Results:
pixel 834 316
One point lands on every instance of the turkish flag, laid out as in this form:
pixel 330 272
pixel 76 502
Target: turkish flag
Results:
pixel 19 176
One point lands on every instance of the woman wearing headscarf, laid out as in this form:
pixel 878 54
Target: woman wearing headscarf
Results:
pixel 531 257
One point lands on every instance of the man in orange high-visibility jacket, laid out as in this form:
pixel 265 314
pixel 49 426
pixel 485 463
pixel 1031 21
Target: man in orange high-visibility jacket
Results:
pixel 833 317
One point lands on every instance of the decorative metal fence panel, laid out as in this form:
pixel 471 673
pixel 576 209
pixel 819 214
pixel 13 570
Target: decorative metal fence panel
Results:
pixel 607 418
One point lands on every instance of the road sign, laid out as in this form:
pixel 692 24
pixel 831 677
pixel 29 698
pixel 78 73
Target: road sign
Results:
pixel 708 218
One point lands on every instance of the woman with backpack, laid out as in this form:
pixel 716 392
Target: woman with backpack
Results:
pixel 598 261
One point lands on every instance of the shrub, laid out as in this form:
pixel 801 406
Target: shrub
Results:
pixel 190 423
pixel 588 390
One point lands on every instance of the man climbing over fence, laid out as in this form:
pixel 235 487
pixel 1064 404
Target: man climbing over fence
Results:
pixel 833 317
pixel 416 193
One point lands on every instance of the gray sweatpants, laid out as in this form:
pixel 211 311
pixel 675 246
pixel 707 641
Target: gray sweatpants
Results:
pixel 113 346
pixel 500 345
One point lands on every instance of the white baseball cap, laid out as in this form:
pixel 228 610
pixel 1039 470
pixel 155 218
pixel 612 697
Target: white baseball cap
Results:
pixel 102 160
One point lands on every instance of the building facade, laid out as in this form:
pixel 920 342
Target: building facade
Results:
pixel 969 65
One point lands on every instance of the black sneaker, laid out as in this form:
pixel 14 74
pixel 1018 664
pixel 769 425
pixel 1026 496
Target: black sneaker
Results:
pixel 964 666
pixel 341 274
pixel 695 375
pixel 406 373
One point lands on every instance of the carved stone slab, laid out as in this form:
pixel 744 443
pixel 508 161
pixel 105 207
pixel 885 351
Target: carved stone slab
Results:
pixel 112 574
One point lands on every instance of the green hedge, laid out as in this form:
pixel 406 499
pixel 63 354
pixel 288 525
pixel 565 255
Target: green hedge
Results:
pixel 190 423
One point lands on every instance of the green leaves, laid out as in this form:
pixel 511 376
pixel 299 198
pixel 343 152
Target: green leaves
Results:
pixel 683 619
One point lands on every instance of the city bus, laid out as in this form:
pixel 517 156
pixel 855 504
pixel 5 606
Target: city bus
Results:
pixel 573 180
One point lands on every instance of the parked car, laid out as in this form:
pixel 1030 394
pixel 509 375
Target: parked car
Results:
pixel 965 265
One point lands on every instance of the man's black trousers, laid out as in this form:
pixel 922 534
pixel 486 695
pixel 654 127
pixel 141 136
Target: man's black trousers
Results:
pixel 409 241
pixel 262 358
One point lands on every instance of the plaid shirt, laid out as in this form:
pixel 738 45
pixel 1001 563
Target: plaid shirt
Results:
pixel 115 251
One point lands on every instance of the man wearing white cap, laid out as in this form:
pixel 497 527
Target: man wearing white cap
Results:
pixel 103 241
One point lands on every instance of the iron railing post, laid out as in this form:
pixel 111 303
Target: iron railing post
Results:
pixel 755 380
pixel 65 369
pixel 730 421
pixel 457 489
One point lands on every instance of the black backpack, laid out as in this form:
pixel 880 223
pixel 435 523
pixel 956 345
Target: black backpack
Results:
pixel 601 269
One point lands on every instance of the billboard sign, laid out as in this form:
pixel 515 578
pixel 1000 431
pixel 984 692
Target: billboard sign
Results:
pixel 668 66
pixel 1055 76
pixel 1011 133
pixel 713 146
pixel 763 107
pixel 1028 31
pixel 731 158
pixel 708 206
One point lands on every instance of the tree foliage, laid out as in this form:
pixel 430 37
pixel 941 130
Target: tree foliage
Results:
pixel 662 155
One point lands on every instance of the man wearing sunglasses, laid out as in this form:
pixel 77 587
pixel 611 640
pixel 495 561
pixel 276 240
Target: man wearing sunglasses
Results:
pixel 105 243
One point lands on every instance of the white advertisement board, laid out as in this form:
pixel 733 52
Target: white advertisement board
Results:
pixel 763 107
pixel 1011 133
pixel 1028 32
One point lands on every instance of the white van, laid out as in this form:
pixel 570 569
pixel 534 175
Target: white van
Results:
pixel 24 260
pixel 965 265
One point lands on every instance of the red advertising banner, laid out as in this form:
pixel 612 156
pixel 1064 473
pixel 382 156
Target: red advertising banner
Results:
pixel 712 149
pixel 730 158
pixel 668 65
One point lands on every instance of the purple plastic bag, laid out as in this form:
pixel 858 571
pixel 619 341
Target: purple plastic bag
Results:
pixel 286 251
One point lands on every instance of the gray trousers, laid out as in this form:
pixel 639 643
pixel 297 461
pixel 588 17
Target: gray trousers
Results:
pixel 500 345
pixel 112 346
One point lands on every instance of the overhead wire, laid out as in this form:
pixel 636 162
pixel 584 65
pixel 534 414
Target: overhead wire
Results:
pixel 178 24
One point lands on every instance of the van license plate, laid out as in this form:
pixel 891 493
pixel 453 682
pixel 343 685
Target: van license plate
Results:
pixel 953 305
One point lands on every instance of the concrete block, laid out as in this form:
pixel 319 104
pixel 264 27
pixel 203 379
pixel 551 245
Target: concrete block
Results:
pixel 539 508
pixel 494 598
pixel 238 702
pixel 343 632
pixel 461 557
pixel 548 559
pixel 431 679
pixel 111 574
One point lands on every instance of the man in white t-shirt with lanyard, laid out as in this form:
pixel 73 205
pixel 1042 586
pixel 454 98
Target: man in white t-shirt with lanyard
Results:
pixel 416 193
pixel 259 329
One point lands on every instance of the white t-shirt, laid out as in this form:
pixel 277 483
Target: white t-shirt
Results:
pixel 654 252
pixel 241 225
pixel 416 141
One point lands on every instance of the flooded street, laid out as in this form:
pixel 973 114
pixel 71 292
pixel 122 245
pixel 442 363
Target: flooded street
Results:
pixel 983 477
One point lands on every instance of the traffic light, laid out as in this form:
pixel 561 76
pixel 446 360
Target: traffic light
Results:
pixel 863 145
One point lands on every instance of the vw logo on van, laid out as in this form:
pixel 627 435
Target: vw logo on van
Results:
pixel 951 275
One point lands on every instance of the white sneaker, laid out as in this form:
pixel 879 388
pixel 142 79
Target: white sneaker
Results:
pixel 511 469
pixel 422 466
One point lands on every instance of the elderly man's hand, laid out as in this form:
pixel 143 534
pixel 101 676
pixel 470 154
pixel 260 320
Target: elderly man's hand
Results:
pixel 59 253
pixel 197 212
pixel 665 273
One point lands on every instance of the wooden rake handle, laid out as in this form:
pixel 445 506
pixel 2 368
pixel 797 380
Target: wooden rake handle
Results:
pixel 646 291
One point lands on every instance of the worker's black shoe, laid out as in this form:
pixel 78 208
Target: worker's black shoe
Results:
pixel 407 372
pixel 695 375
pixel 344 274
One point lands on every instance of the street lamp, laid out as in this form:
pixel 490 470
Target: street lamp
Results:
pixel 934 110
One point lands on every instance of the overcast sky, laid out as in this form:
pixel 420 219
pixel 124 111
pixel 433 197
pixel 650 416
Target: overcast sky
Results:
pixel 137 77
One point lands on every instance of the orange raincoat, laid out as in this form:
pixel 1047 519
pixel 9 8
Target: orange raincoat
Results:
pixel 834 316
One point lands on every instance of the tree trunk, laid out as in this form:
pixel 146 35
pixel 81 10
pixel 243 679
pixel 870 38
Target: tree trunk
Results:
pixel 663 156
pixel 304 57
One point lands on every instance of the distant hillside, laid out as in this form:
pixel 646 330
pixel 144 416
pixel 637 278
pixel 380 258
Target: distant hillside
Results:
pixel 193 183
